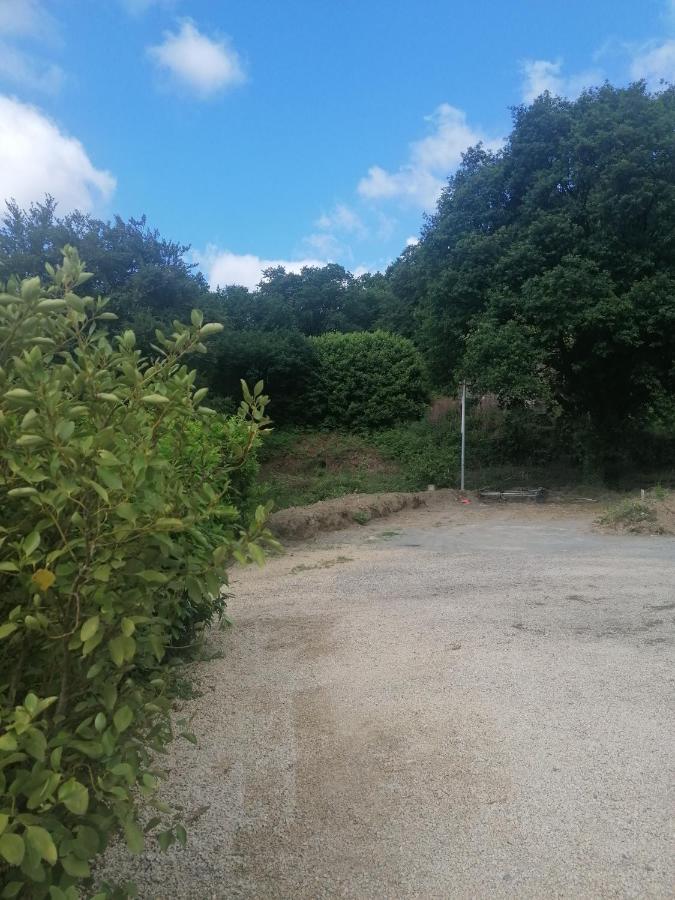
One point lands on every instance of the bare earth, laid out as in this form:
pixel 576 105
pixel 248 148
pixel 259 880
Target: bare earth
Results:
pixel 456 702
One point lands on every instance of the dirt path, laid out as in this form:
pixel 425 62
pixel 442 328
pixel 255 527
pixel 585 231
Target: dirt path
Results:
pixel 458 702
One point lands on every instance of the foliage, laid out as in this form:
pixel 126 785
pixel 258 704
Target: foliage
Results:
pixel 103 537
pixel 367 380
pixel 654 513
pixel 426 453
pixel 312 301
pixel 300 466
pixel 285 360
pixel 548 270
pixel 145 276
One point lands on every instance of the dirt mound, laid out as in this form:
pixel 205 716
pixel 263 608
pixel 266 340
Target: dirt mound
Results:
pixel 301 522
pixel 655 514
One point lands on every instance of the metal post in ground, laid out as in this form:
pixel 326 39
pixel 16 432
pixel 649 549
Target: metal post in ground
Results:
pixel 461 484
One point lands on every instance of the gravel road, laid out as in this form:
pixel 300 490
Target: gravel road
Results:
pixel 458 702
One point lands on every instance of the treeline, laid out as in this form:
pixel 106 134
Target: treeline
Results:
pixel 546 276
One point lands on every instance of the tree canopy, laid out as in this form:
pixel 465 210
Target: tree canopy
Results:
pixel 548 269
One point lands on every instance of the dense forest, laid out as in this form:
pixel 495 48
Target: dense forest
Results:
pixel 545 277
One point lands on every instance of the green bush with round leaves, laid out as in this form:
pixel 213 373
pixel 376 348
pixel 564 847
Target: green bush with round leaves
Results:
pixel 104 539
pixel 367 379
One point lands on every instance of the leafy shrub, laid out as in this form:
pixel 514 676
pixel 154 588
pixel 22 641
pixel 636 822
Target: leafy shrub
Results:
pixel 367 380
pixel 284 360
pixel 220 449
pixel 427 453
pixel 103 537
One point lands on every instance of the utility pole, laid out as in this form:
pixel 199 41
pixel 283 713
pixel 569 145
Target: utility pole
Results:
pixel 461 481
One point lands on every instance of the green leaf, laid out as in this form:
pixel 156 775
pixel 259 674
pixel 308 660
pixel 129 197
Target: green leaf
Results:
pixel 153 577
pixel 65 430
pixel 88 842
pixel 78 868
pixel 41 840
pixel 109 696
pixel 155 399
pixel 55 893
pixel 8 742
pixel 211 328
pixel 89 628
pixel 165 839
pixel 4 821
pixel 181 835
pixel 116 647
pixel 100 721
pixel 19 394
pixel 100 490
pixel 74 796
pixel 134 837
pixel 7 629
pixel 12 890
pixel 123 718
pixel 22 492
pixel 92 643
pixel 110 479
pixel 35 743
pixel 101 573
pixel 128 627
pixel 31 543
pixel 126 511
pixel 108 459
pixel 256 554
pixel 12 849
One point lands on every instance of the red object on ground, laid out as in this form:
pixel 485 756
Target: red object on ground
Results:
pixel 464 500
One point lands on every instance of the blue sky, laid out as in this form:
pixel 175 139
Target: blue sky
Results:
pixel 303 130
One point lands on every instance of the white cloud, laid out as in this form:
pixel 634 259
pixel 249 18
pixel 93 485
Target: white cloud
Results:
pixel 342 218
pixel 37 158
pixel 24 18
pixel 412 241
pixel 654 63
pixel 541 75
pixel 327 245
pixel 25 70
pixel 420 180
pixel 198 62
pixel 224 268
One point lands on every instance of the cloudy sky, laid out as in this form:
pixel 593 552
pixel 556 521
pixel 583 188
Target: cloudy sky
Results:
pixel 293 132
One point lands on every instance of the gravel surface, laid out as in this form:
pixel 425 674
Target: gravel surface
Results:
pixel 458 702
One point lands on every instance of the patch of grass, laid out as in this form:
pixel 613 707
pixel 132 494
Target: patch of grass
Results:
pixel 628 512
pixel 655 514
pixel 361 516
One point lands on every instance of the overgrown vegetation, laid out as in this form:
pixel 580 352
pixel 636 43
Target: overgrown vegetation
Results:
pixel 119 496
pixel 652 514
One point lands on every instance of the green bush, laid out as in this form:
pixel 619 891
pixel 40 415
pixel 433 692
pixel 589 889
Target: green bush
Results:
pixel 284 360
pixel 367 380
pixel 104 535
pixel 427 453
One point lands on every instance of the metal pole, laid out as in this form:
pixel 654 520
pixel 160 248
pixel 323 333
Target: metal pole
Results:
pixel 461 485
